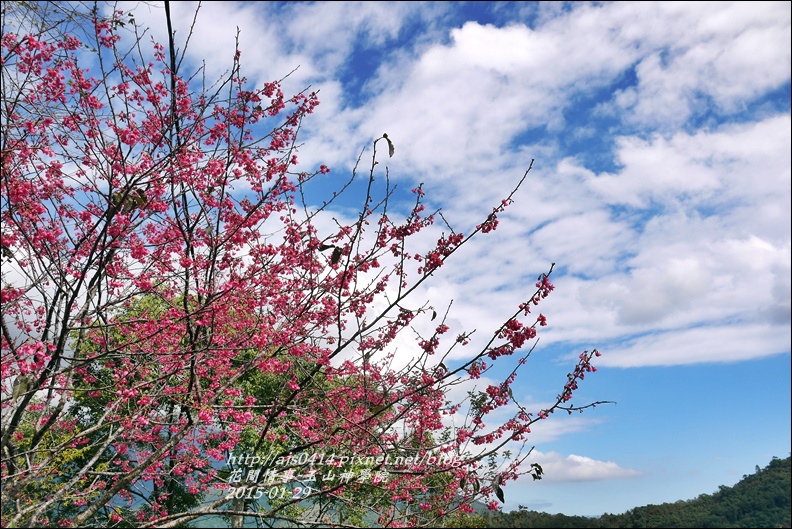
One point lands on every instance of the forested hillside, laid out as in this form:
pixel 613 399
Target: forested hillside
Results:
pixel 762 499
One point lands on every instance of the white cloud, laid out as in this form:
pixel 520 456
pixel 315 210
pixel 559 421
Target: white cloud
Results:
pixel 558 468
pixel 715 343
pixel 708 168
pixel 693 54
pixel 686 295
pixel 705 238
pixel 449 125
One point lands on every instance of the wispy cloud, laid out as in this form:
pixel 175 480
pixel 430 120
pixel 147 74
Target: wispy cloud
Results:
pixel 559 468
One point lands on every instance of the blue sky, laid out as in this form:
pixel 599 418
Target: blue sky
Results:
pixel 660 188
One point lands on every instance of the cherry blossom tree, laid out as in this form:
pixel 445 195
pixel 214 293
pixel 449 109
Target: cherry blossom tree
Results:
pixel 180 341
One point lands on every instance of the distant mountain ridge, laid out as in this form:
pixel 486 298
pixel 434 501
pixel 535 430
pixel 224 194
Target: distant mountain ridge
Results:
pixel 762 499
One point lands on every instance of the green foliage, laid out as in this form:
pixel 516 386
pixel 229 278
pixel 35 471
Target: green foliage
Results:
pixel 465 520
pixel 763 499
